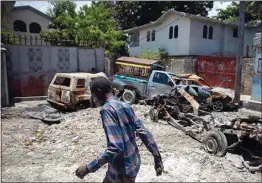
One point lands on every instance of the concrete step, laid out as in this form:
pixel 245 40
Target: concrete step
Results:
pixel 252 105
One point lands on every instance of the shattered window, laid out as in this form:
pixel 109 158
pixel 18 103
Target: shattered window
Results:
pixel 63 81
pixel 80 83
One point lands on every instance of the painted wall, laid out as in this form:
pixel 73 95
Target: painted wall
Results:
pixel 256 88
pixel 230 42
pixel 201 46
pixel 177 46
pixel 28 17
pixel 31 68
pixel 256 93
pixel 190 39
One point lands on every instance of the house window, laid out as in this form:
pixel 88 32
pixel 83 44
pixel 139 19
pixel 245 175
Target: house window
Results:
pixel 134 39
pixel 210 33
pixel 176 32
pixel 153 35
pixel 19 25
pixel 235 32
pixel 170 32
pixel 148 36
pixel 34 28
pixel 204 31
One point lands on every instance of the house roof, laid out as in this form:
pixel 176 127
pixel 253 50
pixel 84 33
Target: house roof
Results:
pixel 136 60
pixel 182 14
pixel 27 7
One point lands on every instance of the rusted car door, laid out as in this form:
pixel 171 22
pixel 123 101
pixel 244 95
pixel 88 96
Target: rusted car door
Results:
pixel 54 90
pixel 82 91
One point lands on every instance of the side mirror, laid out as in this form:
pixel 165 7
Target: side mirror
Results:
pixel 170 83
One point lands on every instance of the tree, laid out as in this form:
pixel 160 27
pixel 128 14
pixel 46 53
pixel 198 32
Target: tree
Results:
pixel 92 26
pixel 130 14
pixel 160 55
pixel 253 12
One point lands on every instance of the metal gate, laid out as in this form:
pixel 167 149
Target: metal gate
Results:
pixel 217 71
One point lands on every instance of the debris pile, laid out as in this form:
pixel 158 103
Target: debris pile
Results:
pixel 217 135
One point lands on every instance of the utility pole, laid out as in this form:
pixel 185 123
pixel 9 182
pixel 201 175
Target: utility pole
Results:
pixel 240 48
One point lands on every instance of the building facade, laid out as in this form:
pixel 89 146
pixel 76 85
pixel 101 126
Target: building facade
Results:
pixel 26 20
pixel 182 34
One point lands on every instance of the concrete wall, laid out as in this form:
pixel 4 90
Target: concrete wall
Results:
pixel 247 73
pixel 28 17
pixel 31 68
pixel 230 42
pixel 190 39
pixel 4 82
pixel 256 93
pixel 201 46
pixel 181 65
pixel 177 46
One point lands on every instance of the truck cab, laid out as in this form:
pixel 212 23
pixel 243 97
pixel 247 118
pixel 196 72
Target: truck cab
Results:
pixel 138 78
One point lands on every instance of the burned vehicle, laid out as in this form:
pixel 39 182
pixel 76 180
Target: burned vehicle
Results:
pixel 71 90
pixel 139 79
pixel 218 135
pixel 219 98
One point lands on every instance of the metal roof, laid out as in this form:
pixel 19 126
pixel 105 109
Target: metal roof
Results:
pixel 27 7
pixel 136 60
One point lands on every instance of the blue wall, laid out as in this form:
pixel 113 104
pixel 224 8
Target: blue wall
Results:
pixel 256 88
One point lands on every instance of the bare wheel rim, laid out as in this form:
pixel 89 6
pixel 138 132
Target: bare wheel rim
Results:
pixel 128 96
pixel 217 105
pixel 211 145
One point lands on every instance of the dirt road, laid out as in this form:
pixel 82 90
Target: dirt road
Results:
pixel 54 152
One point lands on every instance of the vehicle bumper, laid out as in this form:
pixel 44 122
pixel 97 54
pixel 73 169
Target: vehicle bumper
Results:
pixel 58 104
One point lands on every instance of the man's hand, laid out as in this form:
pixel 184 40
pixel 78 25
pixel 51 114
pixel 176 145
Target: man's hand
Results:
pixel 82 171
pixel 159 169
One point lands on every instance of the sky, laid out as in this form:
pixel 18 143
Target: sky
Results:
pixel 43 5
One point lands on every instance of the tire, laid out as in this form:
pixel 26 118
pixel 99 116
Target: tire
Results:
pixel 215 142
pixel 217 105
pixel 152 114
pixel 129 96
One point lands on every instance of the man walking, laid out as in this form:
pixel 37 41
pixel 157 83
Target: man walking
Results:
pixel 121 126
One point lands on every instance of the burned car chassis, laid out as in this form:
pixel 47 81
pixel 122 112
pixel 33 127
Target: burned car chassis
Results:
pixel 218 136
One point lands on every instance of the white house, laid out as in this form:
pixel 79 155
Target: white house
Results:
pixel 183 34
pixel 29 21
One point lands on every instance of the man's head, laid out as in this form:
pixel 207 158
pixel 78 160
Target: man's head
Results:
pixel 101 89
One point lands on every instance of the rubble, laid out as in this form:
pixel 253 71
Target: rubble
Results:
pixel 79 138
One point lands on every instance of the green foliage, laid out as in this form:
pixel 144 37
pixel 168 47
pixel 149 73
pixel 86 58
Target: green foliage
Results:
pixel 92 26
pixel 130 14
pixel 160 55
pixel 253 12
pixel 8 37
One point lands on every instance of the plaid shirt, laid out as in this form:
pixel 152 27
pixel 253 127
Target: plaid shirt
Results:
pixel 120 124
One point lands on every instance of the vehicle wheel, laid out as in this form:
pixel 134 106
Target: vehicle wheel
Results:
pixel 215 143
pixel 152 114
pixel 129 96
pixel 218 105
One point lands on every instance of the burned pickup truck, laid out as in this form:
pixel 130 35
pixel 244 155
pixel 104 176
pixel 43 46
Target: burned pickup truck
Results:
pixel 71 90
pixel 221 98
pixel 139 79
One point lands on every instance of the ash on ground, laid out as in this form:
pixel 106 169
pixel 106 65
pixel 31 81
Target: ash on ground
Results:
pixel 35 151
